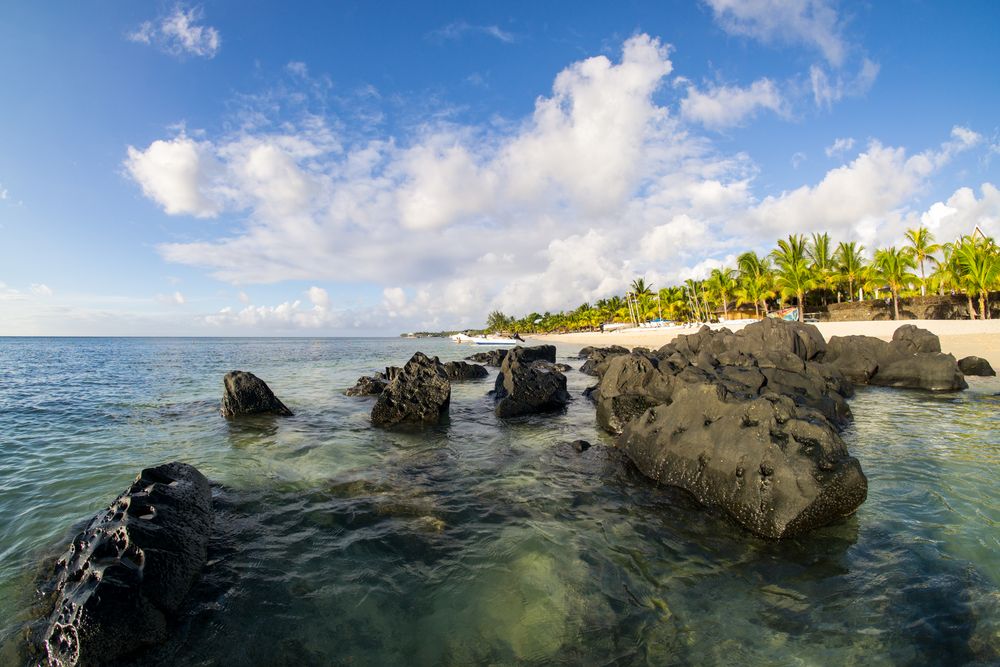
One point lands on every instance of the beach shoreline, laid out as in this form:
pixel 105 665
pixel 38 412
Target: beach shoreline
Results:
pixel 961 338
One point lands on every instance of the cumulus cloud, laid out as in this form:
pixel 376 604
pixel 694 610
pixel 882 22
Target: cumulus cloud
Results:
pixel 598 185
pixel 725 106
pixel 812 23
pixel 3 192
pixel 41 289
pixel 829 87
pixel 179 34
pixel 839 146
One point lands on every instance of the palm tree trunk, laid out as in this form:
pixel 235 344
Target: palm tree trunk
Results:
pixel 802 306
pixel 923 280
pixel 983 300
pixel 972 310
pixel 895 304
pixel 850 284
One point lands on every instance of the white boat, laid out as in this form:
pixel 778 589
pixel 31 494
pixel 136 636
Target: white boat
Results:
pixel 484 340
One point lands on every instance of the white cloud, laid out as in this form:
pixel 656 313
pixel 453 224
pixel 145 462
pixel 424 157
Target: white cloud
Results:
pixel 839 146
pixel 813 23
pixel 458 29
pixel 798 158
pixel 41 289
pixel 243 297
pixel 10 294
pixel 179 34
pixel 830 87
pixel 175 299
pixel 725 106
pixel 963 212
pixel 3 192
pixel 598 185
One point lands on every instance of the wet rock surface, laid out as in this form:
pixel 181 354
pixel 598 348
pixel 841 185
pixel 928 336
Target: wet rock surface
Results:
pixel 529 383
pixel 976 366
pixel 747 422
pixel 116 589
pixel 460 370
pixel 419 393
pixel 490 358
pixel 246 394
pixel 367 386
pixel 597 358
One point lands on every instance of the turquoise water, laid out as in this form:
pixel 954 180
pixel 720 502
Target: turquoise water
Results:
pixel 488 542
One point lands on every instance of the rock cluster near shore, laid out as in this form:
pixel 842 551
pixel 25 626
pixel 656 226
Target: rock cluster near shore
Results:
pixel 530 383
pixel 118 586
pixel 419 393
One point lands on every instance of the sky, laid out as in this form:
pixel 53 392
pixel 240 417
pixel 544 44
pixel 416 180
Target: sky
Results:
pixel 359 168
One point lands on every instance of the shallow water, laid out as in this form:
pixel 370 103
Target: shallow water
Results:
pixel 489 542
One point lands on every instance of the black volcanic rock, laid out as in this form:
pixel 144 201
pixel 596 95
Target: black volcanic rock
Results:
pixel 490 358
pixel 367 386
pixel 246 394
pixel 976 366
pixel 527 384
pixel 419 393
pixel 460 370
pixel 117 588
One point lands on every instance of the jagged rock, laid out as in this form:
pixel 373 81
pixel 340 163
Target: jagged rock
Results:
pixel 912 360
pixel 537 353
pixel 976 366
pixel 490 358
pixel 367 386
pixel 526 386
pixel 924 370
pixel 910 339
pixel 419 393
pixel 247 394
pixel 598 359
pixel 586 352
pixel 562 368
pixel 774 468
pixel 459 370
pixel 122 580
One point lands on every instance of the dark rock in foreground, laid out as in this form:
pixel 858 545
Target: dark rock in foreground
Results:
pixel 247 394
pixel 490 358
pixel 528 385
pixel 460 370
pixel 912 360
pixel 419 393
pixel 117 588
pixel 367 386
pixel 747 422
pixel 976 366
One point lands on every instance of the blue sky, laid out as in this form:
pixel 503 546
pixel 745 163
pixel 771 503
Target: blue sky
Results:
pixel 370 168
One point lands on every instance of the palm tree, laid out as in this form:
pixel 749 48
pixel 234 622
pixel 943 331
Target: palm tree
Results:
pixel 850 262
pixel 640 288
pixel 893 266
pixel 923 247
pixel 693 288
pixel 980 267
pixel 822 264
pixel 794 277
pixel 756 281
pixel 721 284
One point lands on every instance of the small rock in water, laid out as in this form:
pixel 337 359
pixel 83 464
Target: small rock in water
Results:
pixel 419 393
pixel 527 384
pixel 976 366
pixel 247 394
pixel 367 386
pixel 460 370
pixel 580 445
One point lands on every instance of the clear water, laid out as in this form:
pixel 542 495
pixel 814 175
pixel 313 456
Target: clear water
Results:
pixel 482 542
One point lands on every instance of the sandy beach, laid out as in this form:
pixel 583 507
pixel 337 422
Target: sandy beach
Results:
pixel 961 338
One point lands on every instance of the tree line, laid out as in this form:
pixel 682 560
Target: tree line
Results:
pixel 800 270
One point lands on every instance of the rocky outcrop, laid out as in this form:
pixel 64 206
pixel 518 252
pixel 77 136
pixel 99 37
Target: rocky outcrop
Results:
pixel 597 358
pixel 117 588
pixel 528 384
pixel 976 366
pixel 912 360
pixel 419 393
pixel 490 358
pixel 367 386
pixel 247 394
pixel 747 422
pixel 587 352
pixel 460 370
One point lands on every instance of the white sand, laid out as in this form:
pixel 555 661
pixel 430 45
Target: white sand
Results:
pixel 961 338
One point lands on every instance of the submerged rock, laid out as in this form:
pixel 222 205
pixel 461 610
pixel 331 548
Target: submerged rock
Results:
pixel 419 393
pixel 123 579
pixel 923 370
pixel 247 394
pixel 460 370
pixel 526 385
pixel 490 358
pixel 367 386
pixel 976 366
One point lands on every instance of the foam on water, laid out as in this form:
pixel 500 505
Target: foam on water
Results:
pixel 488 542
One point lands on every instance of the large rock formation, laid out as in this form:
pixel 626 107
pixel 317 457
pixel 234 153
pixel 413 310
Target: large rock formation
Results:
pixel 247 394
pixel 117 587
pixel 528 383
pixel 912 360
pixel 747 422
pixel 418 393
pixel 976 366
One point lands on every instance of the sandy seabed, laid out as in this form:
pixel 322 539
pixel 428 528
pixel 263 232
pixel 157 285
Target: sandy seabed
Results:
pixel 961 338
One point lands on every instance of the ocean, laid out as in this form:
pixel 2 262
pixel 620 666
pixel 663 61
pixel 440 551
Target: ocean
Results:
pixel 482 541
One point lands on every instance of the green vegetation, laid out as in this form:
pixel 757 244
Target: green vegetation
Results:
pixel 798 271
